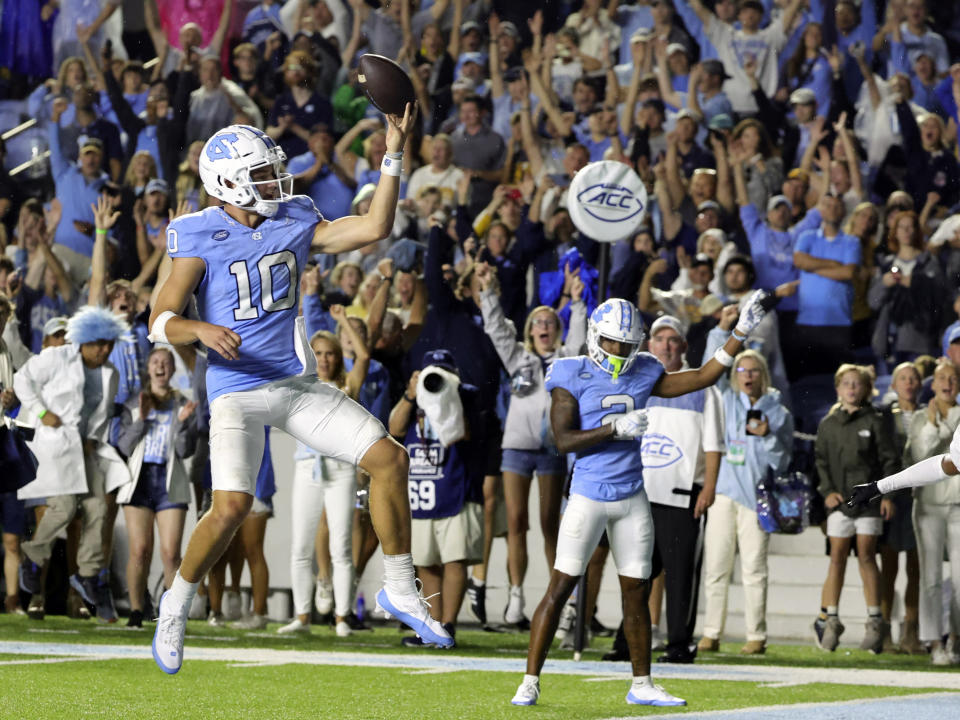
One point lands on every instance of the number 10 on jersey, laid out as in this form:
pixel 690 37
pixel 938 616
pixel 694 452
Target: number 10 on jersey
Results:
pixel 246 308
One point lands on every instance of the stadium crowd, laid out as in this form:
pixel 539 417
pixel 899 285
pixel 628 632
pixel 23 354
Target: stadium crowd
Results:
pixel 804 147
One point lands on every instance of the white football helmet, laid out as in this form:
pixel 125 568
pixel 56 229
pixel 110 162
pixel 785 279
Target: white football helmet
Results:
pixel 231 155
pixel 616 319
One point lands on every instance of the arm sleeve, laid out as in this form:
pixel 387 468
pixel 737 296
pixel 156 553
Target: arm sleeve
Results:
pixel 925 472
pixel 577 331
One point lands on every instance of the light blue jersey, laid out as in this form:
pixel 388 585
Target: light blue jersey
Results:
pixel 251 286
pixel 612 470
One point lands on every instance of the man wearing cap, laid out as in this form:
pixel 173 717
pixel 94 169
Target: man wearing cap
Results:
pixel 734 47
pixel 510 93
pixel 827 258
pixel 912 38
pixel 673 74
pixel 684 138
pixel 796 135
pixel 87 123
pixel 55 331
pixel 706 96
pixel 322 180
pixel 77 188
pixel 681 459
pixel 439 420
pixel 56 296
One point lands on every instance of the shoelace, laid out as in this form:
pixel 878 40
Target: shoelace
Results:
pixel 168 628
pixel 423 600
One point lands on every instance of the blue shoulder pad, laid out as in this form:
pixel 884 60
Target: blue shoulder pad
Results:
pixel 563 373
pixel 188 235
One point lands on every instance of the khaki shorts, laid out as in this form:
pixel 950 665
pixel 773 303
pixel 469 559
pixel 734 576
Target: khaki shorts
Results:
pixel 452 539
pixel 841 526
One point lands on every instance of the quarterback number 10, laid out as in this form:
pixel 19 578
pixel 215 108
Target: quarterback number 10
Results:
pixel 246 309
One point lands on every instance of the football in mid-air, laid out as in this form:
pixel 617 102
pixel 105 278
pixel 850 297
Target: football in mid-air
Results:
pixel 386 83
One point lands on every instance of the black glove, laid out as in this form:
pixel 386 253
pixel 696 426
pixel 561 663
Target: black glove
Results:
pixel 863 495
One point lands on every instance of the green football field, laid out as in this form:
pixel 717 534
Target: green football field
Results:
pixel 62 668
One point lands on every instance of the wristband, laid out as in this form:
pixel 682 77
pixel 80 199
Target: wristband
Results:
pixel 412 401
pixel 741 337
pixel 101 231
pixel 391 165
pixel 723 357
pixel 158 333
pixel 41 414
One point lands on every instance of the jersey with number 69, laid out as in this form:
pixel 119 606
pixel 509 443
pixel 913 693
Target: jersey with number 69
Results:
pixel 251 285
pixel 612 470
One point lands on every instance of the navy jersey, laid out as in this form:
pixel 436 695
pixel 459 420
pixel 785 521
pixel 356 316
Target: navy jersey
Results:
pixel 611 470
pixel 251 286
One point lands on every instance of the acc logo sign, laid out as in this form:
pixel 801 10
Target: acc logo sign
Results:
pixel 659 451
pixel 607 201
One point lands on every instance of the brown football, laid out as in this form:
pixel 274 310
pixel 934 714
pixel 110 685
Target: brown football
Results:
pixel 386 84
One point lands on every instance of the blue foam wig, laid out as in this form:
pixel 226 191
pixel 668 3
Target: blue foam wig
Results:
pixel 91 323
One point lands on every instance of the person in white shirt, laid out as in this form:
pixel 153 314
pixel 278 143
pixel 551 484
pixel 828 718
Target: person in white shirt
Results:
pixel 441 172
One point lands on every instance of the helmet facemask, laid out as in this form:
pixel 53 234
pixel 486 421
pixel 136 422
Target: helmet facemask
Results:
pixel 283 181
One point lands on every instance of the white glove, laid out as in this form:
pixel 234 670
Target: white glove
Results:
pixel 751 314
pixel 630 426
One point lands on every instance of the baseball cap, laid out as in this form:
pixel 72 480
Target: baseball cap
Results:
pixel 54 325
pixel 508 28
pixel 641 34
pixel 708 205
pixel 709 305
pixel 684 113
pixel 157 185
pixel 702 259
pixel 776 200
pixel 512 74
pixel 798 174
pixel 470 25
pixel 656 104
pixel 954 336
pixel 91 143
pixel 803 96
pixel 462 83
pixel 677 47
pixel 667 321
pixel 474 57
pixel 439 358
pixel 714 67
pixel 720 121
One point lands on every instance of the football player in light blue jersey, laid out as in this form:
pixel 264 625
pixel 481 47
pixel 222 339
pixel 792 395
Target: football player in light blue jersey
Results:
pixel 243 262
pixel 598 411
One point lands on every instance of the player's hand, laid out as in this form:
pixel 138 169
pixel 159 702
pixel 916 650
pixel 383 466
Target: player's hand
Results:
pixel 186 411
pixel 51 419
pixel 752 313
pixel 221 340
pixel 399 127
pixel 862 495
pixel 705 499
pixel 630 426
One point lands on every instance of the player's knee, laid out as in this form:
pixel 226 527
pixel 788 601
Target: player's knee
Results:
pixel 231 509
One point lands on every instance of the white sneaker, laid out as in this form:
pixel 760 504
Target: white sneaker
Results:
pixel 231 605
pixel 568 616
pixel 652 695
pixel 168 637
pixel 323 597
pixel 513 613
pixel 528 693
pixel 343 630
pixel 198 607
pixel 294 627
pixel 940 656
pixel 413 611
pixel 215 619
pixel 251 622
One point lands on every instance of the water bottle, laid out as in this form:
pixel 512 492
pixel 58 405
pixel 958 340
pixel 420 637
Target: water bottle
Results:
pixel 361 606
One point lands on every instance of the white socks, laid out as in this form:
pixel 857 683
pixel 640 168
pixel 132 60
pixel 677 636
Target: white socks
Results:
pixel 398 574
pixel 533 679
pixel 181 593
pixel 514 611
pixel 642 681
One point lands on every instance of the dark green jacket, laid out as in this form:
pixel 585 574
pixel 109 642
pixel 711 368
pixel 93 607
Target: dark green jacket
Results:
pixel 855 448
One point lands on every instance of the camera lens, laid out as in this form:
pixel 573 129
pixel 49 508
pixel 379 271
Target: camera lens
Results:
pixel 433 382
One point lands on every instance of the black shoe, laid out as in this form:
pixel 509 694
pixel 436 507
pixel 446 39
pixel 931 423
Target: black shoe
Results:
pixel 599 629
pixel 31 576
pixel 616 655
pixel 418 642
pixel 356 623
pixel 104 598
pixel 477 595
pixel 35 610
pixel 522 625
pixel 679 655
pixel 136 619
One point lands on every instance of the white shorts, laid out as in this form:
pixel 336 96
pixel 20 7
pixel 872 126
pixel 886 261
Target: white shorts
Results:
pixel 314 412
pixel 841 526
pixel 629 527
pixel 437 541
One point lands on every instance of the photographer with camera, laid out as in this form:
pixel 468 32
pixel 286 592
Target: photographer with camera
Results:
pixel 439 420
pixel 909 293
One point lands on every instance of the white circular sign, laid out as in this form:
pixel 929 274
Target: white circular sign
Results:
pixel 607 201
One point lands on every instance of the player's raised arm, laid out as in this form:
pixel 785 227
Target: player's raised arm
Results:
pixel 355 231
pixel 167 325
pixel 926 472
pixel 681 383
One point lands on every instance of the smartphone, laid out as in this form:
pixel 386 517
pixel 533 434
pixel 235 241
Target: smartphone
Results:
pixel 754 418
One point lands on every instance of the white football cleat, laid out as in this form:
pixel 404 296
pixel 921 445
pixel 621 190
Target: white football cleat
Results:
pixel 413 611
pixel 168 638
pixel 652 695
pixel 528 693
pixel 294 627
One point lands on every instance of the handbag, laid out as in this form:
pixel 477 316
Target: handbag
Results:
pixel 783 503
pixel 18 464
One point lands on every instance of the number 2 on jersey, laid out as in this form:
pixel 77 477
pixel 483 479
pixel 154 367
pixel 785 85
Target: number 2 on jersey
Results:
pixel 610 401
pixel 246 310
